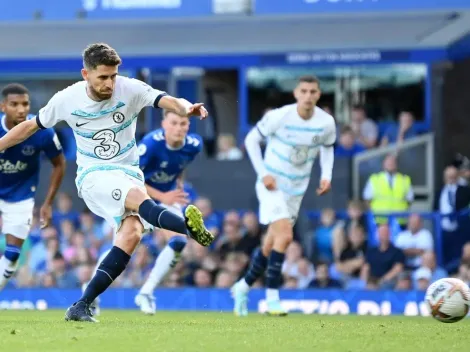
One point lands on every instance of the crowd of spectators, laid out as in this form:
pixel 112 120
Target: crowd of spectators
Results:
pixel 353 250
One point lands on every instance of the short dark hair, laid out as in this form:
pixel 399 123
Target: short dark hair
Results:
pixel 359 107
pixel 98 54
pixel 14 88
pixel 309 79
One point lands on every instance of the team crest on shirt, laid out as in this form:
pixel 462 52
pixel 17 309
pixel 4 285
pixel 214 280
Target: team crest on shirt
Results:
pixel 316 139
pixel 28 150
pixel 299 155
pixel 118 117
pixel 117 194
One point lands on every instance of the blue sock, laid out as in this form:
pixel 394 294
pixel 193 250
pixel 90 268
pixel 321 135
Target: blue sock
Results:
pixel 160 217
pixel 274 277
pixel 110 268
pixel 257 267
pixel 177 243
pixel 12 253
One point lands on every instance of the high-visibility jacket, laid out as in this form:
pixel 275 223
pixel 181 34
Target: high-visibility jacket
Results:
pixel 388 199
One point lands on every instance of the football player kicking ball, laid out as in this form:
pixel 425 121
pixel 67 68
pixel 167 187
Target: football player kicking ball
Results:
pixel 296 134
pixel 164 154
pixel 102 110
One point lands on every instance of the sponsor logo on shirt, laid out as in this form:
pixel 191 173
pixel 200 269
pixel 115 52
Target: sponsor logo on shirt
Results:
pixel 7 167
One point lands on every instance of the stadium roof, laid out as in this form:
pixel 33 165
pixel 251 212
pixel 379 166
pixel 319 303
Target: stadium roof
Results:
pixel 227 35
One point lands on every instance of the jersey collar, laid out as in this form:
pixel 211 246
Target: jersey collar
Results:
pixel 4 125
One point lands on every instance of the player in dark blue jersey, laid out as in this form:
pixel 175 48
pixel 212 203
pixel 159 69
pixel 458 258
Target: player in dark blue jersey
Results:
pixel 19 176
pixel 164 154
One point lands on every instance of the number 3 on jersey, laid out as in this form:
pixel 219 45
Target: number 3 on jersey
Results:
pixel 108 147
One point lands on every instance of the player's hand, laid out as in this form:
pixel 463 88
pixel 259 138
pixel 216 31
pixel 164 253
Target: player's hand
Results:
pixel 325 187
pixel 177 196
pixel 197 109
pixel 269 182
pixel 45 215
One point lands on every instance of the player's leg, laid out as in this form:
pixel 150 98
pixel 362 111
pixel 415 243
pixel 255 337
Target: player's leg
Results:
pixel 273 208
pixel 282 234
pixel 17 219
pixel 105 193
pixel 127 239
pixel 95 305
pixel 258 264
pixel 192 225
pixel 166 260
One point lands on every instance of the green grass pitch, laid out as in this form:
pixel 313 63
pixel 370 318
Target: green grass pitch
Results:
pixel 197 331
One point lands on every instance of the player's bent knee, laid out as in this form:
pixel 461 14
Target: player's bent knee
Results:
pixel 135 197
pixel 177 243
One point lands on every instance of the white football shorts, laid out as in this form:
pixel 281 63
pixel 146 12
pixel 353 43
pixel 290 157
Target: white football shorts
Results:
pixel 17 217
pixel 105 192
pixel 276 205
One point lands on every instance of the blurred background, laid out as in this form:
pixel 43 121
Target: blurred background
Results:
pixel 395 74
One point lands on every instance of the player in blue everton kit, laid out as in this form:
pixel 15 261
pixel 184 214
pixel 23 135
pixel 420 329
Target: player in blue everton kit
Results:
pixel 19 176
pixel 164 154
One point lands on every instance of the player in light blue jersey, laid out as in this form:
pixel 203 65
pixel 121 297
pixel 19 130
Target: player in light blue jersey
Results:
pixel 19 176
pixel 296 135
pixel 102 110
pixel 164 154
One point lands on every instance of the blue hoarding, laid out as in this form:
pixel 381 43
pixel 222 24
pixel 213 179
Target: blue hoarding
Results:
pixel 23 10
pixel 193 299
pixel 265 7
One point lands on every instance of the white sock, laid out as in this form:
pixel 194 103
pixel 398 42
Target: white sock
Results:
pixel 272 294
pixel 166 260
pixel 242 285
pixel 7 269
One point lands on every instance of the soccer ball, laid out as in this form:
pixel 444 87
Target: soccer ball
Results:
pixel 448 300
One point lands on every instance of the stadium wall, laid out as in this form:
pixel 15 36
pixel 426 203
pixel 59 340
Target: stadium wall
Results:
pixel 196 299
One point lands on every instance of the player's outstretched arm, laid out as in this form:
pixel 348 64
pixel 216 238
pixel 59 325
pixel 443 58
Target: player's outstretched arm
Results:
pixel 182 107
pixel 18 134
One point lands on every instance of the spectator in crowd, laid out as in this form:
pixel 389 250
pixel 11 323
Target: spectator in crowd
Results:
pixel 225 279
pixel 322 278
pixel 323 236
pixel 404 282
pixel 452 199
pixel 365 129
pixel 251 232
pixel 231 240
pixel 428 261
pixel 389 191
pixel 202 278
pixel 405 129
pixel 64 211
pixel 348 146
pixel 63 277
pixel 352 258
pixel 464 273
pixel 414 242
pixel 227 149
pixel 355 217
pixel 423 278
pixel 305 273
pixel 293 255
pixel 385 262
pixel 466 254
